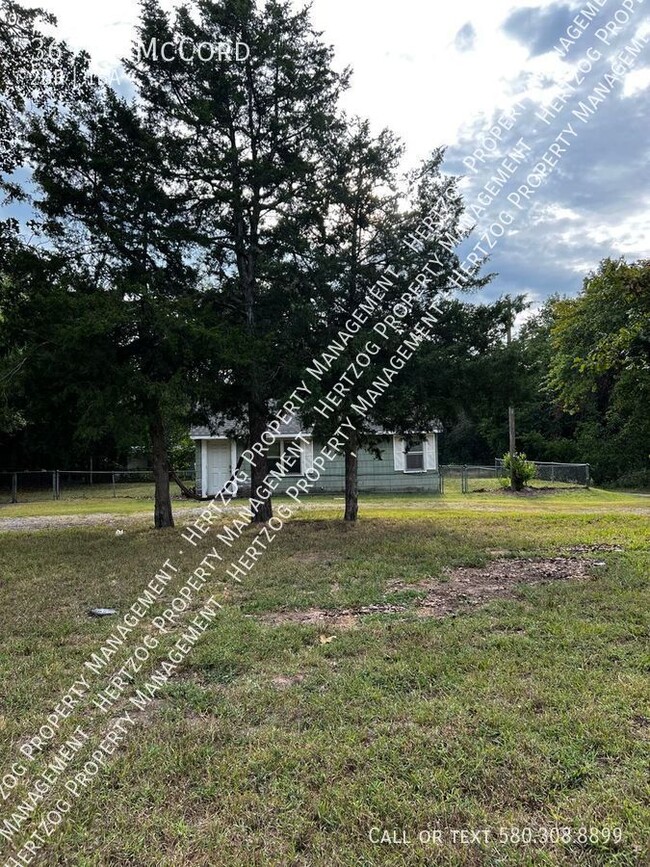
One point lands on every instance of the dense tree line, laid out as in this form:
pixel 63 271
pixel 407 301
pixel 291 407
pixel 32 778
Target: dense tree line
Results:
pixel 194 247
pixel 578 372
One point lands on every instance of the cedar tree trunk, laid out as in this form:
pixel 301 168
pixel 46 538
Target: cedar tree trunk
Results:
pixel 163 504
pixel 259 470
pixel 351 479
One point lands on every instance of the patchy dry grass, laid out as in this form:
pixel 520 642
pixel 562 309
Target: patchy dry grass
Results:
pixel 450 593
pixel 284 743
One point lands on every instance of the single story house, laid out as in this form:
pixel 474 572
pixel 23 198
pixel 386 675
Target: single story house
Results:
pixel 406 463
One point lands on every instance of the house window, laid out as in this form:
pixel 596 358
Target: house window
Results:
pixel 414 455
pixel 291 457
pixel 274 456
pixel 287 455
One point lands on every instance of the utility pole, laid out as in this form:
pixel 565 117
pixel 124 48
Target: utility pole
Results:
pixel 511 413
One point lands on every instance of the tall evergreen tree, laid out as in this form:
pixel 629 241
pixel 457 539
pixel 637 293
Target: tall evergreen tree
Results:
pixel 35 75
pixel 360 202
pixel 112 217
pixel 248 136
pixel 372 215
pixel 36 72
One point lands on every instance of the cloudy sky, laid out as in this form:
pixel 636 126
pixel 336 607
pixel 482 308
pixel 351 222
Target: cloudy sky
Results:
pixel 444 73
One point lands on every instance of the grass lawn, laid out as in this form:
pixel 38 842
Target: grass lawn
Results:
pixel 132 499
pixel 285 743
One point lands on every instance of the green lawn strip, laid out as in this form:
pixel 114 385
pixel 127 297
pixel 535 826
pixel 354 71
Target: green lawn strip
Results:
pixel 384 505
pixel 126 506
pixel 516 715
pixel 275 749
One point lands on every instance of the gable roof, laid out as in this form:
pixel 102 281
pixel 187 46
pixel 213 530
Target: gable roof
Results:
pixel 221 426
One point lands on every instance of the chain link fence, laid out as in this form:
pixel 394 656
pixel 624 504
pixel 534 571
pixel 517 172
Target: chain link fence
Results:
pixel 556 474
pixel 41 485
pixel 463 479
pixel 472 479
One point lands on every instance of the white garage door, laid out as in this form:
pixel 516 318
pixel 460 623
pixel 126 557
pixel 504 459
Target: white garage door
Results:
pixel 219 470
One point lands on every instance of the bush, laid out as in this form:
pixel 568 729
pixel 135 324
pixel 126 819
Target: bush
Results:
pixel 520 470
pixel 633 479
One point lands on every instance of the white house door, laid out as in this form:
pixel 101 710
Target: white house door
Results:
pixel 218 465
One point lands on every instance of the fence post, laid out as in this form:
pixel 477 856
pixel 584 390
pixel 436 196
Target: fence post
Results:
pixel 58 485
pixel 14 488
pixel 113 482
pixel 588 476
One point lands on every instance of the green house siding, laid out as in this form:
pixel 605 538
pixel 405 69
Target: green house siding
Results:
pixel 373 474
pixel 216 458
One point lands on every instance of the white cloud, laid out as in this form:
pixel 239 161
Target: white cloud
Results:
pixel 636 81
pixel 440 90
pixel 627 236
pixel 411 76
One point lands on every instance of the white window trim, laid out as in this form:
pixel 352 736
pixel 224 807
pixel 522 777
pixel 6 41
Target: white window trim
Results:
pixel 429 454
pixel 282 440
pixel 399 457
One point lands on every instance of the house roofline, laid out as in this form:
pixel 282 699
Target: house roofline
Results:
pixel 304 434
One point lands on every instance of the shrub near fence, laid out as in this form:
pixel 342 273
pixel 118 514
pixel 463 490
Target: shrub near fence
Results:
pixel 26 487
pixel 556 473
pixel 468 479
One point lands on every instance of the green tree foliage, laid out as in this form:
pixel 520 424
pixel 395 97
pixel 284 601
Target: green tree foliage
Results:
pixel 464 376
pixel 248 139
pixel 360 203
pixel 372 213
pixel 599 369
pixel 115 327
pixel 35 70
pixel 544 428
pixel 69 381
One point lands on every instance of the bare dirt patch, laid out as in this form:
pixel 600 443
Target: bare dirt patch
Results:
pixel 458 590
pixel 587 549
pixel 528 492
pixel 284 681
pixel 468 586
pixel 641 727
